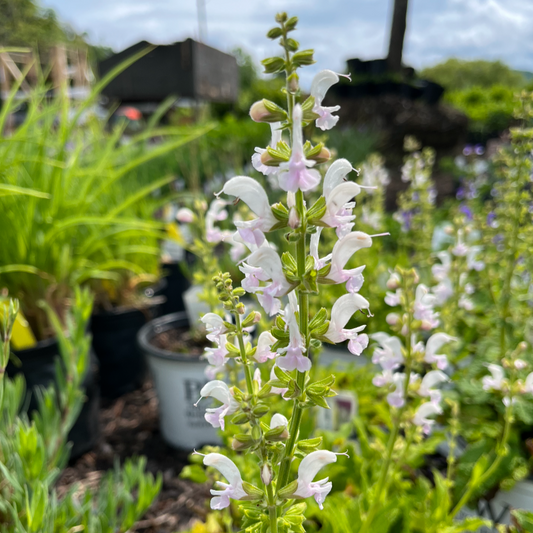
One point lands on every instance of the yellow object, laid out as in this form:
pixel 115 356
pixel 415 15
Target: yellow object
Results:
pixel 22 336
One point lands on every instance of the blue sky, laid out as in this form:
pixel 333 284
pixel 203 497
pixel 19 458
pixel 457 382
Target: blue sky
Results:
pixel 337 29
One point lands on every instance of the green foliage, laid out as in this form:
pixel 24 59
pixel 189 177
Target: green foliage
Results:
pixel 490 109
pixel 458 74
pixel 34 451
pixel 91 219
pixel 25 23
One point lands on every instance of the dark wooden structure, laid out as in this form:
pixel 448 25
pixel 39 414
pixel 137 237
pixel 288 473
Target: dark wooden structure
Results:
pixel 188 70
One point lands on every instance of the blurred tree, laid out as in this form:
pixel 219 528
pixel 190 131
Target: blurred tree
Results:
pixel 456 74
pixel 24 23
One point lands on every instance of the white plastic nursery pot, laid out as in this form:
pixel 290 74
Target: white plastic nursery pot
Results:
pixel 178 379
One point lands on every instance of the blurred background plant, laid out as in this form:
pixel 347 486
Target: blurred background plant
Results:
pixel 34 451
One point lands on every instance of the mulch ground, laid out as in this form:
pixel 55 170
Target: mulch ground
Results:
pixel 130 427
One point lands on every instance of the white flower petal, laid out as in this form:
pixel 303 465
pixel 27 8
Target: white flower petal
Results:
pixel 322 83
pixel 311 464
pixel 278 420
pixel 254 196
pixel 225 466
pixel 336 175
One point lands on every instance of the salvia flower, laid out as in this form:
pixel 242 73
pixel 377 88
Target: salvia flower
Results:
pixel 254 196
pixel 423 308
pixel 215 213
pixel 423 412
pixel 294 358
pixel 264 344
pixel 343 309
pixel 308 469
pixel 397 398
pixel 219 390
pixel 389 352
pixel 256 158
pixel 262 265
pixel 216 357
pixel 297 173
pixel 429 382
pixel 319 87
pixel 214 325
pixel 184 215
pixel 496 380
pixel 433 344
pixel 342 252
pixel 339 207
pixel 229 470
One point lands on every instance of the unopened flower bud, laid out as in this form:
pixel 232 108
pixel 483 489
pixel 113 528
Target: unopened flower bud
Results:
pixel 293 83
pixel 266 474
pixel 522 346
pixel 258 112
pixel 257 317
pixel 266 111
pixel 294 219
pixel 394 281
pixel 268 160
pixel 392 319
pixel 520 364
pixel 448 230
pixel 291 199
pixel 322 156
pixel 185 215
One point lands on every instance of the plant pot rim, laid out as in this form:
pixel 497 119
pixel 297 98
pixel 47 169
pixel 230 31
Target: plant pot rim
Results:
pixel 45 343
pixel 159 325
pixel 123 310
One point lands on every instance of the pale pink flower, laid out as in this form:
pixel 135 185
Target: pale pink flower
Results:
pixel 307 471
pixel 254 196
pixel 429 382
pixel 262 265
pixel 496 380
pixel 319 87
pixel 341 254
pixel 214 324
pixel 422 413
pixel 256 158
pixel 215 213
pixel 397 398
pixel 184 215
pixel 433 344
pixel 229 470
pixel 423 307
pixel 343 309
pixel 217 357
pixel 264 344
pixel 219 390
pixel 389 352
pixel 294 358
pixel 296 174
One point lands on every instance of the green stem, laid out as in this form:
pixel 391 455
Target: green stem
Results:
pixel 242 349
pixel 303 302
pixel 272 510
pixel 501 451
pixel 382 480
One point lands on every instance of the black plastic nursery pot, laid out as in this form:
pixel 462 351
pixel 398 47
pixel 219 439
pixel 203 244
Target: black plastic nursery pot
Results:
pixel 178 379
pixel 38 366
pixel 173 285
pixel 122 366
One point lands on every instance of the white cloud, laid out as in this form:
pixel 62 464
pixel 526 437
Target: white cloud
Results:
pixel 338 29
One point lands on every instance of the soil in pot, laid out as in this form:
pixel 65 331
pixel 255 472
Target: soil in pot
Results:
pixel 38 366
